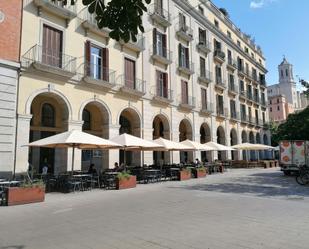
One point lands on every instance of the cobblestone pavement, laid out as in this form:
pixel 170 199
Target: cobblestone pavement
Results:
pixel 256 208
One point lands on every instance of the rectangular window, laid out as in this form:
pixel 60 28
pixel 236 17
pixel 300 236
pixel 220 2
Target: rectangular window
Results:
pixel 243 111
pixel 130 73
pixel 202 67
pixel 229 57
pixel 278 108
pixel 182 22
pixel 231 82
pixel 162 84
pixel 202 36
pixel 184 92
pixel 233 108
pixel 240 64
pixel 217 45
pixel 238 44
pixel 52 46
pixel 249 113
pixel 218 75
pixel 200 9
pixel 159 43
pixel 270 109
pixel 242 86
pixel 220 105
pixel 159 7
pixel 183 54
pixel 256 116
pixel 229 35
pixel 204 98
pixel 216 23
pixel 263 117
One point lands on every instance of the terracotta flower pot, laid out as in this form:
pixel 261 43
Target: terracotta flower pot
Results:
pixel 19 195
pixel 184 175
pixel 200 173
pixel 125 183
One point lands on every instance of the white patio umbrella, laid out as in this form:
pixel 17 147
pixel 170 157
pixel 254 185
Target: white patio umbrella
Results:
pixel 132 143
pixel 75 139
pixel 169 145
pixel 218 147
pixel 197 145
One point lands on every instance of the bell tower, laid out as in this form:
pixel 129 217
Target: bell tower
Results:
pixel 286 72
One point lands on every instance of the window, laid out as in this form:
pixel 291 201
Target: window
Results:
pixel 202 67
pixel 252 55
pixel 204 98
pixel 87 120
pixel 270 109
pixel 240 64
pixel 216 23
pixel 231 82
pixel 238 44
pixel 286 72
pixel 162 84
pixel 48 115
pixel 159 43
pixel 256 116
pixel 243 111
pixel 220 105
pixel 281 73
pixel 270 101
pixel 277 101
pixel 96 62
pixel 249 113
pixel 218 75
pixel 184 92
pixel 229 35
pixel 233 108
pixel 52 46
pixel 263 117
pixel 159 7
pixel 246 50
pixel 202 36
pixel 229 57
pixel 129 73
pixel 183 55
pixel 182 22
pixel 278 108
pixel 242 86
pixel 200 9
pixel 217 45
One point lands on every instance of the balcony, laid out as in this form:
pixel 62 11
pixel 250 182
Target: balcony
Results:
pixel 102 77
pixel 234 116
pixel 231 64
pixel 89 23
pixel 204 47
pixel 244 118
pixel 161 55
pixel 221 112
pixel 187 103
pixel 186 67
pixel 259 123
pixel 249 96
pixel 205 77
pixel 233 89
pixel 160 15
pixel 137 46
pixel 241 71
pixel 262 83
pixel 251 121
pixel 256 99
pixel 206 108
pixel 184 32
pixel 162 95
pixel 67 12
pixel 134 88
pixel 220 83
pixel 49 61
pixel 219 56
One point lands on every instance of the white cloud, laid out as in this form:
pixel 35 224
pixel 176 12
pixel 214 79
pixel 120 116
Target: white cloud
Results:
pixel 257 4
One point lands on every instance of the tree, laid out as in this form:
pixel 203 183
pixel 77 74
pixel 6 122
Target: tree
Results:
pixel 296 127
pixel 273 128
pixel 122 17
pixel 306 85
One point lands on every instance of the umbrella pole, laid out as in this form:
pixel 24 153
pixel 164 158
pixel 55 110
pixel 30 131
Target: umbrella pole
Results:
pixel 73 155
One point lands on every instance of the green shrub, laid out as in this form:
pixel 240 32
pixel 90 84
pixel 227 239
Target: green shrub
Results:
pixel 125 175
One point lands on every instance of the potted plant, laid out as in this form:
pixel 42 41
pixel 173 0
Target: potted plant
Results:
pixel 184 174
pixel 125 180
pixel 27 192
pixel 200 172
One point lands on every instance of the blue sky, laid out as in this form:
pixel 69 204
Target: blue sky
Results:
pixel 280 27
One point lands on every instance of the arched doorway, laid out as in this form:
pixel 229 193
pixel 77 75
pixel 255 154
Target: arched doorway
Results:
pixel 221 140
pixel 233 136
pixel 205 136
pixel 244 139
pixel 96 118
pixel 161 128
pixel 130 123
pixel 185 132
pixel 252 141
pixel 49 117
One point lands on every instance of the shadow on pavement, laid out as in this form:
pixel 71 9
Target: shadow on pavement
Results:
pixel 268 184
pixel 12 247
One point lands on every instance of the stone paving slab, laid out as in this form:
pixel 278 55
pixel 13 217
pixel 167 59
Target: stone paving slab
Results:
pixel 243 208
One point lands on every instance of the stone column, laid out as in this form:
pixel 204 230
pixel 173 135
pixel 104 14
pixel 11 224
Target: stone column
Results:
pixel 148 155
pixel 175 154
pixel 113 131
pixel 23 129
pixel 72 125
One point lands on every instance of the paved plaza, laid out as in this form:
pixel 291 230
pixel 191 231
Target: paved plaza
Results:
pixel 245 208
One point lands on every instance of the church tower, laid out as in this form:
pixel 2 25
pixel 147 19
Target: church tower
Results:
pixel 286 82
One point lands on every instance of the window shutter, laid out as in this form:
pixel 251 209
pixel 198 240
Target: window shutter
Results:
pixel 164 49
pixel 187 57
pixel 165 85
pixel 203 91
pixel 154 39
pixel 158 88
pixel 87 58
pixel 179 54
pixel 105 64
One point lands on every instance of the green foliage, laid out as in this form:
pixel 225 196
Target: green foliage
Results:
pixel 273 128
pixel 125 175
pixel 296 127
pixel 34 184
pixel 187 170
pixel 122 17
pixel 201 169
pixel 306 85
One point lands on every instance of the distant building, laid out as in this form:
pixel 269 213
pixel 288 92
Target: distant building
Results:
pixel 279 108
pixel 284 97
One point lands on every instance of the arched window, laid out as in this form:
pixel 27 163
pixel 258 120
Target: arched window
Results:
pixel 87 120
pixel 48 115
